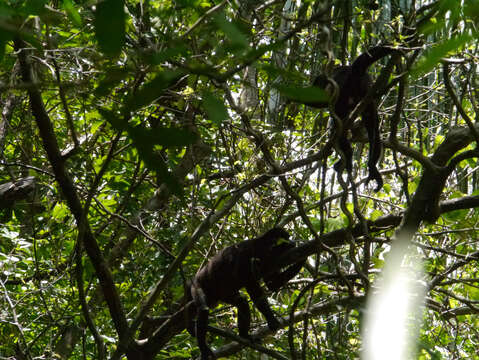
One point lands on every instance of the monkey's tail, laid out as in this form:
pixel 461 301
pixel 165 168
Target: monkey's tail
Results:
pixel 365 60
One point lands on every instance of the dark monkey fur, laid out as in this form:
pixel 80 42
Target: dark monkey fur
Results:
pixel 353 84
pixel 241 266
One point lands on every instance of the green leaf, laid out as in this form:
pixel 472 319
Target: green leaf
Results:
pixel 471 9
pixel 8 28
pixel 5 37
pixel 145 141
pixel 238 40
pixel 60 211
pixel 456 215
pixel 34 7
pixel 434 56
pixel 162 136
pixel 304 95
pixel 111 78
pixel 72 12
pixel 432 26
pixel 167 137
pixel 152 90
pixel 109 25
pixel 261 50
pixel 215 108
pixel 376 214
pixel 167 54
pixel 378 263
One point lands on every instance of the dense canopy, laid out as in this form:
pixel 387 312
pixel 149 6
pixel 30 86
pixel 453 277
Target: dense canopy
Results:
pixel 140 137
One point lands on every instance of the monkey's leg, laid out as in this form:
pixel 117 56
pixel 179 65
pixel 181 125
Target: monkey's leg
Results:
pixel 244 315
pixel 260 301
pixel 371 123
pixel 346 159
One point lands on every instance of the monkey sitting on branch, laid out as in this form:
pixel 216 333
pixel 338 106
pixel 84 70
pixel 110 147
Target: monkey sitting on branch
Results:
pixel 239 266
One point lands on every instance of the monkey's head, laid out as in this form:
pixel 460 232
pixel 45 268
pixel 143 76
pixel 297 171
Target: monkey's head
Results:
pixel 323 82
pixel 273 242
pixel 277 233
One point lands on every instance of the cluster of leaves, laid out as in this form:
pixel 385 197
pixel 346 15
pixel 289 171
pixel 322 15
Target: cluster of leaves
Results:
pixel 138 137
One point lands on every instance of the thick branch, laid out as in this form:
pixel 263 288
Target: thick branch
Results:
pixel 425 202
pixel 69 192
pixel 15 191
pixel 177 322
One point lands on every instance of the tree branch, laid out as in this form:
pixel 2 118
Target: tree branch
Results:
pixel 67 187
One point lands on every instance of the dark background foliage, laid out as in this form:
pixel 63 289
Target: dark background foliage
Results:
pixel 139 137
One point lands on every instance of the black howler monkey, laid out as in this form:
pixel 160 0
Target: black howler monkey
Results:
pixel 353 84
pixel 241 266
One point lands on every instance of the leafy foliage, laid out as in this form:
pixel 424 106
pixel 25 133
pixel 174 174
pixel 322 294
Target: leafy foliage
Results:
pixel 176 128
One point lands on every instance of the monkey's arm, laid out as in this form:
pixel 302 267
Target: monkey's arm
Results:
pixel 276 280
